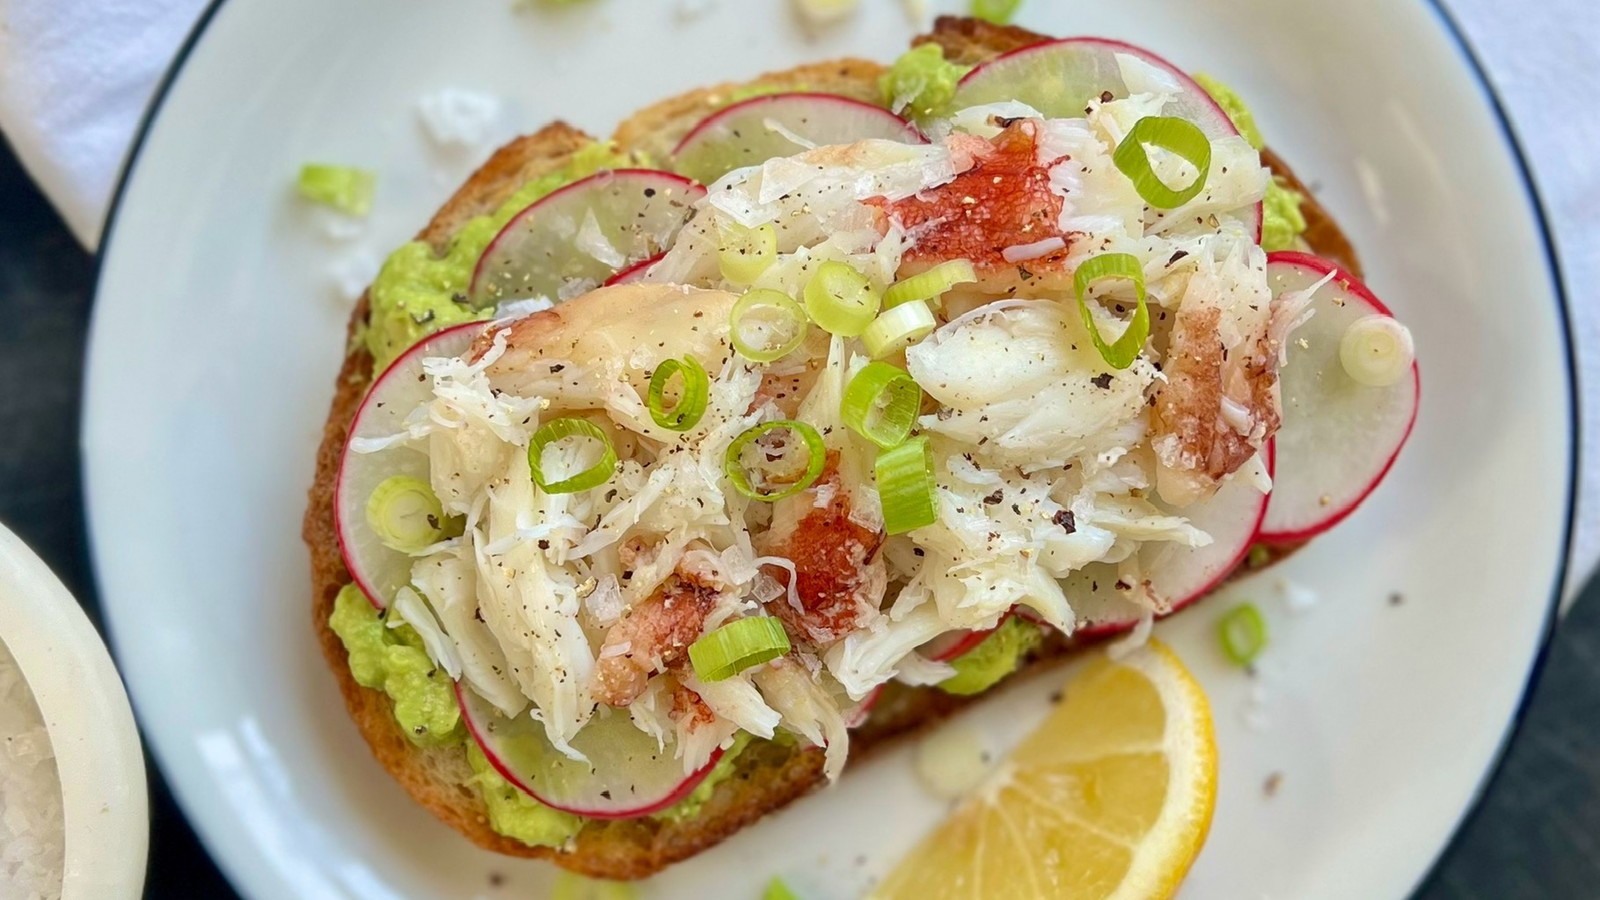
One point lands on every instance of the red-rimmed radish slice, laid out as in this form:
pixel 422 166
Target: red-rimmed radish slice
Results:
pixel 1060 78
pixel 952 644
pixel 1176 575
pixel 858 715
pixel 583 234
pixel 1027 614
pixel 378 569
pixel 627 774
pixel 753 131
pixel 634 273
pixel 1339 437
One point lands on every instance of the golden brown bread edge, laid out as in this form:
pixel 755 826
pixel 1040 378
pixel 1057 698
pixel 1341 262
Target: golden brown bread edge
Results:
pixel 768 776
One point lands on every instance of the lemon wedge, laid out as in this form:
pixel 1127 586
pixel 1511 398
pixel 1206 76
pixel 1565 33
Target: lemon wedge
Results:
pixel 1110 799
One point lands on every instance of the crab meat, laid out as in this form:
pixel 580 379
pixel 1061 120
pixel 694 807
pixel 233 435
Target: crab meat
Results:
pixel 839 579
pixel 1000 213
pixel 1219 405
pixel 655 634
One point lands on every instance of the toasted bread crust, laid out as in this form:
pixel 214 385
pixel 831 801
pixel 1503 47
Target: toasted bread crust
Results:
pixel 768 776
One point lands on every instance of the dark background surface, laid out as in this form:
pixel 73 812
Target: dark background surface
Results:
pixel 1537 835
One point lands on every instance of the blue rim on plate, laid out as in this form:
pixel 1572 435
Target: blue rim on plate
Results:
pixel 1474 65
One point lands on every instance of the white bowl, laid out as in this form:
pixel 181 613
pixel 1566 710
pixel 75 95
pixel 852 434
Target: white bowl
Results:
pixel 91 727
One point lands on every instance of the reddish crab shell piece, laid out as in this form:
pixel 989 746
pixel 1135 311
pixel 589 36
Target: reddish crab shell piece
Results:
pixel 1002 201
pixel 838 577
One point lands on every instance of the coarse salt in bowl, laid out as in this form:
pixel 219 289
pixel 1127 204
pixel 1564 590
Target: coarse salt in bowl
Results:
pixel 74 814
pixel 32 827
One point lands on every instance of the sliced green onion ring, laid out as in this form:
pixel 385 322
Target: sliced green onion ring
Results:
pixel 1121 354
pixel 744 253
pixel 572 886
pixel 692 401
pixel 733 465
pixel 1243 631
pixel 1176 135
pixel 841 300
pixel 348 190
pixel 881 404
pixel 777 890
pixel 767 325
pixel 737 646
pixel 1376 351
pixel 930 285
pixel 405 515
pixel 559 429
pixel 906 487
pixel 898 328
pixel 1000 12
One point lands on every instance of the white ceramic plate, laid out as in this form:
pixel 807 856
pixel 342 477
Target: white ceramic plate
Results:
pixel 216 341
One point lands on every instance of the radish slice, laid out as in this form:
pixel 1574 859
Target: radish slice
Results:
pixel 627 774
pixel 1176 575
pixel 952 644
pixel 634 273
pixel 762 128
pixel 1060 78
pixel 857 716
pixel 575 238
pixel 376 568
pixel 1339 437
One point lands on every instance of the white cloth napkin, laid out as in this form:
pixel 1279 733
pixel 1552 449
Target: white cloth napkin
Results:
pixel 75 76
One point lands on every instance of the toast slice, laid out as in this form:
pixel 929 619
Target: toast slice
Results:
pixel 768 775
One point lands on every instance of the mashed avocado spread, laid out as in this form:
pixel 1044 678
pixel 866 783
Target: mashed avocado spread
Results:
pixel 1282 220
pixel 515 814
pixel 921 83
pixel 418 292
pixel 392 660
pixel 689 807
pixel 997 656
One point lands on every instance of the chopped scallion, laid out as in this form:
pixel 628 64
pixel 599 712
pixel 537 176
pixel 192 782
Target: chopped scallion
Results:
pixel 777 890
pixel 931 284
pixel 692 399
pixel 1178 136
pixel 1243 631
pixel 881 404
pixel 841 300
pixel 347 189
pixel 744 253
pixel 1000 12
pixel 572 886
pixel 898 328
pixel 405 515
pixel 558 431
pixel 737 646
pixel 1376 350
pixel 733 462
pixel 767 325
pixel 906 486
pixel 1125 350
